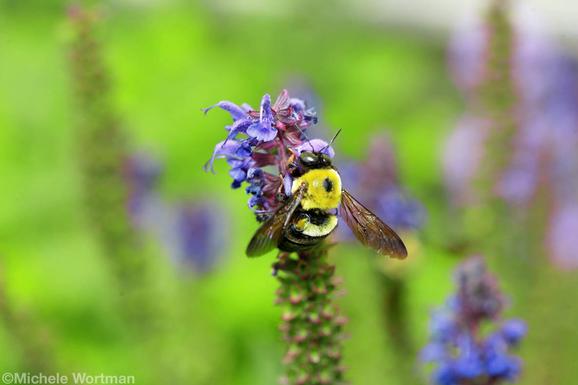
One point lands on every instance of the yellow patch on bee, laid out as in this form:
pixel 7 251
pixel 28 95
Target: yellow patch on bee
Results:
pixel 322 230
pixel 323 189
pixel 301 224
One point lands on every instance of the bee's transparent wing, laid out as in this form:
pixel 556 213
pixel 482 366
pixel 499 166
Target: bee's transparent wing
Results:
pixel 369 229
pixel 268 235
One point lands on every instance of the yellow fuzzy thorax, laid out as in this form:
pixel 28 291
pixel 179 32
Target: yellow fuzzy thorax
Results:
pixel 317 196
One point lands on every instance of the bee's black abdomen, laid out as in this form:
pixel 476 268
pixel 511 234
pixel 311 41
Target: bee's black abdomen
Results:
pixel 294 240
pixel 301 242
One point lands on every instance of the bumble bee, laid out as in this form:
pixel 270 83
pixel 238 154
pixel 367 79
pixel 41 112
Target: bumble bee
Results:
pixel 309 215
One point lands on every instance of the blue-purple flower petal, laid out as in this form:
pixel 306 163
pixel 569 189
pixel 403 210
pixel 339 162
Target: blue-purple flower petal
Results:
pixel 224 149
pixel 233 109
pixel 513 331
pixel 262 132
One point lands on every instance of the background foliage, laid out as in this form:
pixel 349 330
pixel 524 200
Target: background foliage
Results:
pixel 168 62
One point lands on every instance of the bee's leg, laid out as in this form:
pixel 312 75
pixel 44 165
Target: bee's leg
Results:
pixel 283 260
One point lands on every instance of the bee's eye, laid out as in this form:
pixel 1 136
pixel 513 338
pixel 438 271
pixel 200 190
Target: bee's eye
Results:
pixel 326 160
pixel 308 158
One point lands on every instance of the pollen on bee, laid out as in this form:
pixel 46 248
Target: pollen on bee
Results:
pixel 301 224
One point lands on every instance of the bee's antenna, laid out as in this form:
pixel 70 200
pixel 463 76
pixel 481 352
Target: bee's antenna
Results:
pixel 335 137
pixel 306 138
pixel 332 140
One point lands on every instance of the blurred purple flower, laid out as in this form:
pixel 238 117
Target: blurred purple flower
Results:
pixel 541 161
pixel 463 155
pixel 376 182
pixel 546 90
pixel 463 354
pixel 466 55
pixel 478 297
pixel 189 231
pixel 547 156
pixel 142 174
pixel 200 234
pixel 399 210
pixel 562 236
pixel 547 145
pixel 513 331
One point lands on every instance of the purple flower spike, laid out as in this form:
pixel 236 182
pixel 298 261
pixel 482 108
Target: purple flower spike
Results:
pixel 264 138
pixel 462 352
pixel 265 161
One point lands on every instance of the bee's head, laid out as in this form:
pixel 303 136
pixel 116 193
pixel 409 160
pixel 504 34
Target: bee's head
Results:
pixel 314 160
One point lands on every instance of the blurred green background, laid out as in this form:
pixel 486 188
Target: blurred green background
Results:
pixel 168 61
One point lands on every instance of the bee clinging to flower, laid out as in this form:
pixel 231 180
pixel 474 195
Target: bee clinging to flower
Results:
pixel 301 204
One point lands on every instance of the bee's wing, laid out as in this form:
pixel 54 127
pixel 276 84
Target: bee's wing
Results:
pixel 369 229
pixel 268 235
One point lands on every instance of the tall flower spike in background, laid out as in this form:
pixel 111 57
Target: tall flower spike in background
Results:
pixel 533 156
pixel 151 310
pixel 533 194
pixel 479 150
pixel 469 342
pixel 101 154
pixel 33 343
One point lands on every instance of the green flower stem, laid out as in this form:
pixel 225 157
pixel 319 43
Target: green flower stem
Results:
pixel 396 319
pixel 33 342
pixel 311 324
pixel 496 101
pixel 395 310
pixel 101 154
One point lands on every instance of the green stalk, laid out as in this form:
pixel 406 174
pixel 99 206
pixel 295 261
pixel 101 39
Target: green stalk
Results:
pixel 33 342
pixel 101 154
pixel 495 100
pixel 311 324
